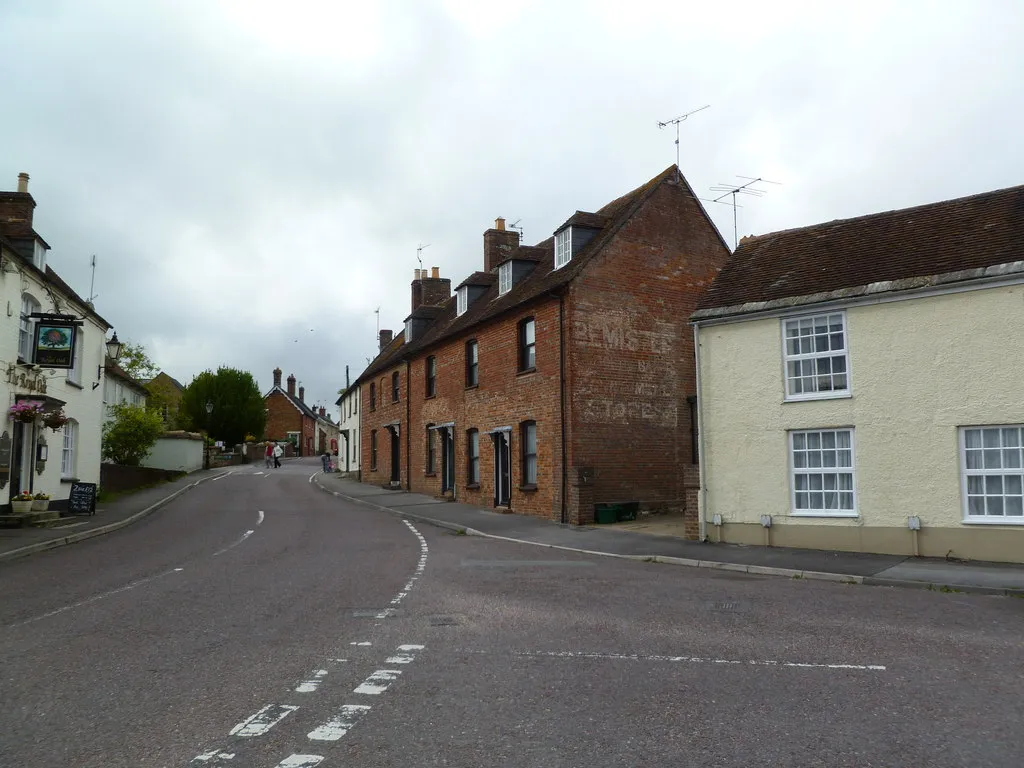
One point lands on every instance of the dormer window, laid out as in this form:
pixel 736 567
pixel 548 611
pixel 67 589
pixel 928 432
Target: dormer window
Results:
pixel 563 247
pixel 462 301
pixel 408 330
pixel 39 256
pixel 505 278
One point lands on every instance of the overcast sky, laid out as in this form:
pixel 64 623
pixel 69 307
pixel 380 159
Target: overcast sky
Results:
pixel 254 177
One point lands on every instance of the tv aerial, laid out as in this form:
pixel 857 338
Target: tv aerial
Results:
pixel 676 121
pixel 419 254
pixel 741 189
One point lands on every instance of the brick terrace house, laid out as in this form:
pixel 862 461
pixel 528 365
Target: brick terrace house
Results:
pixel 560 375
pixel 289 418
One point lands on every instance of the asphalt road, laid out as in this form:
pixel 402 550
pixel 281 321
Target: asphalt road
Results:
pixel 258 622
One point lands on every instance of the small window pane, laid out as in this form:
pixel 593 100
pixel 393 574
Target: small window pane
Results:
pixel 973 460
pixel 994 505
pixel 976 505
pixel 993 459
pixel 993 484
pixel 1012 485
pixel 1014 506
pixel 1011 457
pixel 976 485
pixel 1011 437
pixel 972 438
pixel 799 441
pixel 991 438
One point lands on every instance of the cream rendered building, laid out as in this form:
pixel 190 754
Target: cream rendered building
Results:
pixel 348 423
pixel 861 384
pixel 35 457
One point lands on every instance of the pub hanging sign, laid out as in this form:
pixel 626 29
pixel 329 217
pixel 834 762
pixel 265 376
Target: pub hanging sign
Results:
pixel 55 343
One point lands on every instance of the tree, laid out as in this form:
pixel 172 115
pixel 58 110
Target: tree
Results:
pixel 238 407
pixel 136 363
pixel 131 434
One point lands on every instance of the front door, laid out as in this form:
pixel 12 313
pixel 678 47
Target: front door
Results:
pixel 396 466
pixel 22 458
pixel 502 476
pixel 447 459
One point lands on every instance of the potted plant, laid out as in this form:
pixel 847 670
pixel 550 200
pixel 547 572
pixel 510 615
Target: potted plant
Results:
pixel 26 411
pixel 40 502
pixel 22 503
pixel 55 420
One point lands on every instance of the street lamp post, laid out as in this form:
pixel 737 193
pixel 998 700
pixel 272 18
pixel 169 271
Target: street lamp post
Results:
pixel 206 448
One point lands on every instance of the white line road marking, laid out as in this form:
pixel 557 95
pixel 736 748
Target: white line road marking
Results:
pixel 221 477
pixel 213 758
pixel 300 761
pixel 363 643
pixel 263 720
pixel 260 520
pixel 337 661
pixel 310 685
pixel 177 570
pixel 688 659
pixel 245 536
pixel 405 654
pixel 339 724
pixel 378 682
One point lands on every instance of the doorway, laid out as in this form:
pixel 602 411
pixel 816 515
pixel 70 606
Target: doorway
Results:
pixel 447 459
pixel 502 472
pixel 396 457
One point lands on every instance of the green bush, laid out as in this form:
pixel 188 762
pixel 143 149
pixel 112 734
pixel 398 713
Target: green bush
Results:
pixel 131 434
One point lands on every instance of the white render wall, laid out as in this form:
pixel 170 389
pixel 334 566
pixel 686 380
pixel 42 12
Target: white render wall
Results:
pixel 351 423
pixel 920 369
pixel 83 403
pixel 182 454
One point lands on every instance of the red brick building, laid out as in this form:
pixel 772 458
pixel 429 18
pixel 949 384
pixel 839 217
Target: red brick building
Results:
pixel 289 418
pixel 561 375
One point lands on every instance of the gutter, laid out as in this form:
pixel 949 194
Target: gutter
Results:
pixel 408 428
pixel 702 507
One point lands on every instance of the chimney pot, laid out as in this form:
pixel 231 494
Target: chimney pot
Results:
pixel 499 224
pixel 385 339
pixel 277 377
pixel 23 182
pixel 291 385
pixel 435 272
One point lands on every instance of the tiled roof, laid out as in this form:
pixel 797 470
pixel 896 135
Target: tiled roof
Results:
pixel 387 357
pixel 543 279
pixel 584 219
pixel 969 233
pixel 479 278
pixel 118 372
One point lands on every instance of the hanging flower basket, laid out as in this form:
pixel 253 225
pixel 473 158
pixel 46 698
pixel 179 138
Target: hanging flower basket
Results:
pixel 55 420
pixel 26 411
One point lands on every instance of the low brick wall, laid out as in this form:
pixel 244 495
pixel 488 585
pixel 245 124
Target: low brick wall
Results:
pixel 116 478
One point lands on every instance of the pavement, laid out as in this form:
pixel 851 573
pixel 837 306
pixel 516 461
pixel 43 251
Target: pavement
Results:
pixel 654 538
pixel 660 539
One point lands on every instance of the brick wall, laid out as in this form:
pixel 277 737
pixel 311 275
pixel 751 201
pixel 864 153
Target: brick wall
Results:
pixel 632 359
pixel 503 397
pixel 284 417
pixel 374 418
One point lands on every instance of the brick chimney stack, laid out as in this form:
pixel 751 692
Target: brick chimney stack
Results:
pixel 323 412
pixel 302 394
pixel 16 210
pixel 385 339
pixel 498 244
pixel 291 384
pixel 277 377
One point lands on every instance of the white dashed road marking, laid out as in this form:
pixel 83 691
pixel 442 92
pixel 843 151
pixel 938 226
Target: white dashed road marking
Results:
pixel 339 724
pixel 689 659
pixel 363 643
pixel 212 759
pixel 378 682
pixel 310 685
pixel 300 761
pixel 406 654
pixel 263 720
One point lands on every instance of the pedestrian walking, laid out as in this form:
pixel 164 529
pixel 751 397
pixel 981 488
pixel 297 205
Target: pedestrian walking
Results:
pixel 325 459
pixel 278 453
pixel 269 453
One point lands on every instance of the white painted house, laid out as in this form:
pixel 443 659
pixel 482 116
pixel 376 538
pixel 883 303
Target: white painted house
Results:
pixel 45 320
pixel 119 389
pixel 348 422
pixel 860 384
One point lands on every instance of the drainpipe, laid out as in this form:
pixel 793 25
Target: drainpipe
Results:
pixel 408 428
pixel 702 458
pixel 561 385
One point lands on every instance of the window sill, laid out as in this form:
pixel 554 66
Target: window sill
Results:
pixel 473 487
pixel 528 488
pixel 822 513
pixel 526 371
pixel 430 474
pixel 472 386
pixel 69 479
pixel 818 396
pixel 429 397
pixel 395 402
pixel 74 384
pixel 1011 521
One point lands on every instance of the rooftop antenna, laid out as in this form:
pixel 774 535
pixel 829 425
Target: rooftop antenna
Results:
pixel 92 280
pixel 515 225
pixel 419 255
pixel 742 189
pixel 676 121
pixel 377 313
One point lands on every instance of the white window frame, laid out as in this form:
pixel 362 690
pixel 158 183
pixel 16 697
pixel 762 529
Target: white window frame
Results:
pixel 505 278
pixel 461 301
pixel 1007 454
pixel 563 247
pixel 823 469
pixel 39 256
pixel 408 330
pixel 75 371
pixel 26 326
pixel 814 356
pixel 67 454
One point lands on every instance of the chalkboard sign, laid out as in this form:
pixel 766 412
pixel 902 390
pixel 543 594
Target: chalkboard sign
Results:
pixel 82 500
